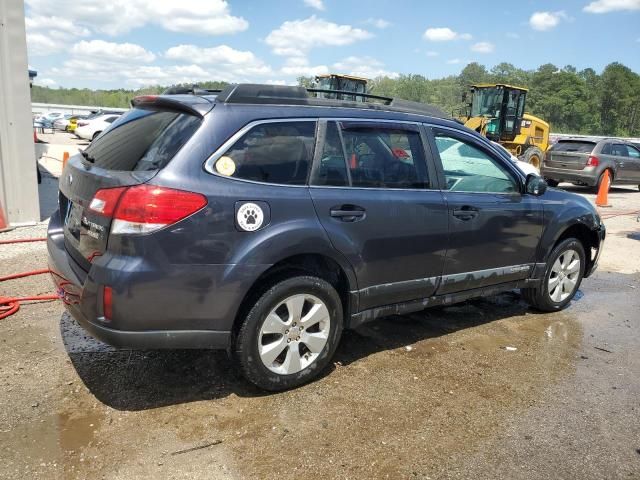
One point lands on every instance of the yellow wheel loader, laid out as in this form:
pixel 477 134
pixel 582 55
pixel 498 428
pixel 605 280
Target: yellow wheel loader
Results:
pixel 496 110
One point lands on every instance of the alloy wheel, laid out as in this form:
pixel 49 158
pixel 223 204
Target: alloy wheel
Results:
pixel 564 276
pixel 294 334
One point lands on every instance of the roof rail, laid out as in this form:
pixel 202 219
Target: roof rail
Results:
pixel 189 89
pixel 250 93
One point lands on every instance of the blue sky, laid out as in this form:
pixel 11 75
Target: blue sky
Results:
pixel 133 43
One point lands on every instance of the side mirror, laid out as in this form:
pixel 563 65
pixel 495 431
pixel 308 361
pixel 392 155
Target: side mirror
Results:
pixel 536 185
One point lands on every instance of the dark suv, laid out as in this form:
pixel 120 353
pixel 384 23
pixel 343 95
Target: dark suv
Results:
pixel 263 221
pixel 584 161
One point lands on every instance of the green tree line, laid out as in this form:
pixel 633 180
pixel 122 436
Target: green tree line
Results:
pixel 571 100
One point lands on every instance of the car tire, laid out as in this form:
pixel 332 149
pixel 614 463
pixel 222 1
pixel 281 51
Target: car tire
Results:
pixel 95 135
pixel 596 188
pixel 275 347
pixel 552 183
pixel 533 156
pixel 561 278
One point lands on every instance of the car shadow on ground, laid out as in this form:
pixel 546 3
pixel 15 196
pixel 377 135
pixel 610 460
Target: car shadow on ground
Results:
pixel 47 193
pixel 140 380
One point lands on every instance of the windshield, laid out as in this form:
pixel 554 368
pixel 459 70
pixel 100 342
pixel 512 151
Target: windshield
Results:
pixel 486 102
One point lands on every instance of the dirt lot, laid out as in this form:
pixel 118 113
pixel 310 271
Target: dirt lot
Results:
pixel 429 395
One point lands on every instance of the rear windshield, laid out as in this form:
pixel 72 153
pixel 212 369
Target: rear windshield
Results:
pixel 573 146
pixel 142 139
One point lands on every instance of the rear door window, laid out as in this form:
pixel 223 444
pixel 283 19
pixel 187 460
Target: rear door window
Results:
pixel 619 150
pixel 273 152
pixel 371 156
pixel 573 146
pixel 142 139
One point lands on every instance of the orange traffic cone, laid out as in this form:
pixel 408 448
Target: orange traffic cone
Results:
pixel 65 159
pixel 3 221
pixel 602 200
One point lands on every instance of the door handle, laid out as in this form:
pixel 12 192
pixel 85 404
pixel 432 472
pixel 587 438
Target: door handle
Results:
pixel 348 213
pixel 465 213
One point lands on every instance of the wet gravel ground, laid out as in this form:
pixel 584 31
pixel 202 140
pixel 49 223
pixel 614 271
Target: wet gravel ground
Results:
pixel 484 389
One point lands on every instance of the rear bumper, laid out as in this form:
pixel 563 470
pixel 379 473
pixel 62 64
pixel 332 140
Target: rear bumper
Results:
pixel 587 176
pixel 142 319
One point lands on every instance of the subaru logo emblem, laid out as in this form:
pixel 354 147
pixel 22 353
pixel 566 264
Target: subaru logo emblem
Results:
pixel 70 179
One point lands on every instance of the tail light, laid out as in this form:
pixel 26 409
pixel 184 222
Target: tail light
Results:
pixel 145 208
pixel 593 161
pixel 107 303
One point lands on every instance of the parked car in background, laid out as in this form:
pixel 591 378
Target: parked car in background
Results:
pixel 73 122
pixel 46 120
pixel 90 128
pixel 584 162
pixel 264 221
pixel 62 122
pixel 526 168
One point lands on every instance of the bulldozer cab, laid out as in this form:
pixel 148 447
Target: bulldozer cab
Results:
pixel 335 84
pixel 498 109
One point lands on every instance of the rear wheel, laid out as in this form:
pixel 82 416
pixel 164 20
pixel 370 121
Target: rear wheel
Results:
pixel 291 333
pixel 533 156
pixel 95 135
pixel 564 272
pixel 596 188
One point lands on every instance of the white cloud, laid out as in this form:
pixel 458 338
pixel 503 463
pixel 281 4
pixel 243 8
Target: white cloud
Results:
pixel 110 51
pixel 380 23
pixel 47 35
pixel 444 34
pixel 236 62
pixel 115 17
pixel 453 61
pixel 483 47
pixel 45 82
pixel 317 4
pixel 546 20
pixel 277 82
pixel 299 66
pixel 297 37
pixel 432 53
pixel 367 67
pixel 606 6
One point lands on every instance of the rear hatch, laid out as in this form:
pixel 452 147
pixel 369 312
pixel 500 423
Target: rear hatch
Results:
pixel 131 152
pixel 570 154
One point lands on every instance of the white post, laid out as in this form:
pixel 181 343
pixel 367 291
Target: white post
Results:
pixel 18 178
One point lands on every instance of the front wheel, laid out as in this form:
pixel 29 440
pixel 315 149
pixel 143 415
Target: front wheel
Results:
pixel 291 333
pixel 564 272
pixel 533 156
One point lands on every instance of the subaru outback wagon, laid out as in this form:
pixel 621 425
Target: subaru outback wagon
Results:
pixel 264 221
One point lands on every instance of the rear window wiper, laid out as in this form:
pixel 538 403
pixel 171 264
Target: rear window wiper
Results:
pixel 87 156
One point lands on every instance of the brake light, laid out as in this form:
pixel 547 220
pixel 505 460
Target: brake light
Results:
pixel 107 303
pixel 104 201
pixel 593 161
pixel 145 208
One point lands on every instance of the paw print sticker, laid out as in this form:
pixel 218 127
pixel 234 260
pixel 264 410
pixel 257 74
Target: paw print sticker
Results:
pixel 250 217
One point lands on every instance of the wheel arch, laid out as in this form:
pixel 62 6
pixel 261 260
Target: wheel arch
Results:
pixel 321 265
pixel 588 238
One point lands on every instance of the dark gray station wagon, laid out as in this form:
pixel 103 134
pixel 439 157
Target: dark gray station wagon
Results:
pixel 265 221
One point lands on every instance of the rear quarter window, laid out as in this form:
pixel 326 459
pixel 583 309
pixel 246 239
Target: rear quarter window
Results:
pixel 573 146
pixel 142 139
pixel 274 152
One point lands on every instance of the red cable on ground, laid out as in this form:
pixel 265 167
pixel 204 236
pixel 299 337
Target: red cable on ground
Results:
pixel 10 305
